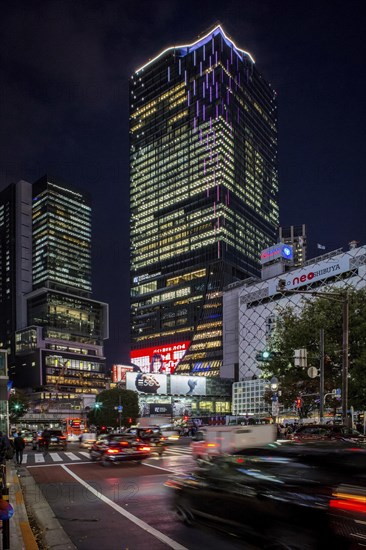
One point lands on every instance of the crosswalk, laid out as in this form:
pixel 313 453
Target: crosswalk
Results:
pixel 37 459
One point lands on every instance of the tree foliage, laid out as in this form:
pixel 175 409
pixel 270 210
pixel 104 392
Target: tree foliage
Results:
pixel 104 412
pixel 296 330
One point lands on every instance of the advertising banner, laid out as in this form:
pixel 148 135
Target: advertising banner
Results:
pixel 119 372
pixel 159 359
pixel 146 382
pixel 187 385
pixel 160 408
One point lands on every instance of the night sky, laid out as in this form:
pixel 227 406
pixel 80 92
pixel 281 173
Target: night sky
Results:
pixel 64 71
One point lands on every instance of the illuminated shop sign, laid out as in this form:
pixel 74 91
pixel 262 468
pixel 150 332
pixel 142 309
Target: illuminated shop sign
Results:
pixel 277 251
pixel 187 385
pixel 119 372
pixel 316 272
pixel 146 382
pixel 159 359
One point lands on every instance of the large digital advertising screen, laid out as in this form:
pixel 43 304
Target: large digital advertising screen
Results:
pixel 159 359
pixel 145 382
pixel 187 385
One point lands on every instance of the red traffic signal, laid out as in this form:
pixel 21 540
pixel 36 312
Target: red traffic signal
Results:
pixel 298 403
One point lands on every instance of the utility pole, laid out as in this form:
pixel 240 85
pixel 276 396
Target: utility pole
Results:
pixel 345 361
pixel 321 375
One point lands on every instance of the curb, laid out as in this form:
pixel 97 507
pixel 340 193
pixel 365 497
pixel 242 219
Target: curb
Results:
pixel 53 534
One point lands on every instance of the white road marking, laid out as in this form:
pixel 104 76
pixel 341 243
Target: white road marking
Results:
pixel 57 465
pixel 84 453
pixel 139 522
pixel 72 456
pixel 56 457
pixel 38 458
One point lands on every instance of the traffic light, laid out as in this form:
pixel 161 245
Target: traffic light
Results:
pixel 264 355
pixel 298 403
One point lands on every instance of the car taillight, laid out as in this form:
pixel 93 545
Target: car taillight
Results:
pixel 211 445
pixel 112 451
pixel 62 437
pixel 144 448
pixel 123 443
pixel 348 502
pixel 162 438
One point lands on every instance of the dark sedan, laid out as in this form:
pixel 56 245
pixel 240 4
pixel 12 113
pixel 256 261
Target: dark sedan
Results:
pixel 114 448
pixel 327 432
pixel 280 496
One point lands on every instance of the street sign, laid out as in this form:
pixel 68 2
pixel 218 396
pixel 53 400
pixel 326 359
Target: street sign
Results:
pixel 275 408
pixel 120 408
pixel 312 372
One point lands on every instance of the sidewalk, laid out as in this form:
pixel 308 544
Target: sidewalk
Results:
pixel 22 488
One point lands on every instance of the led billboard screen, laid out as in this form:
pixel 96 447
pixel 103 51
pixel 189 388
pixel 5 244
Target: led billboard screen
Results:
pixel 119 372
pixel 187 385
pixel 146 382
pixel 159 359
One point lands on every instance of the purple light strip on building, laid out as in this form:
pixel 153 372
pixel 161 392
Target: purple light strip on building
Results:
pixel 194 58
pixel 210 93
pixel 188 98
pixel 200 68
pixel 210 62
pixel 218 193
pixel 217 90
pixel 203 89
pixel 185 77
pixel 197 108
pixel 194 87
pixel 168 74
pixel 180 66
pixel 204 112
pixel 213 44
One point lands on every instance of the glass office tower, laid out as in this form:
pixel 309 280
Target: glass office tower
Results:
pixel 203 194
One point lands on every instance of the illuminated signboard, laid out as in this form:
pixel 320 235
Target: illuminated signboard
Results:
pixel 146 382
pixel 187 385
pixel 277 251
pixel 119 372
pixel 159 359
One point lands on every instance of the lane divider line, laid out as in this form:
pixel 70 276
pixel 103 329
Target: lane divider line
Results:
pixel 134 519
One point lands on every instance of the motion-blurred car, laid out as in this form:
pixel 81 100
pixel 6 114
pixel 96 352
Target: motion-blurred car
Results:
pixel 291 496
pixel 87 439
pixel 28 438
pixel 113 448
pixel 151 435
pixel 57 440
pixel 327 432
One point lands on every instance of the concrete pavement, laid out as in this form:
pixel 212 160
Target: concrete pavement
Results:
pixel 25 494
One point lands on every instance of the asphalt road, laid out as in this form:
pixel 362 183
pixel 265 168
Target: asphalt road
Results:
pixel 123 507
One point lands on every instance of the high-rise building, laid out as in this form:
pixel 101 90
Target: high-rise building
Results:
pixel 53 329
pixel 295 235
pixel 204 196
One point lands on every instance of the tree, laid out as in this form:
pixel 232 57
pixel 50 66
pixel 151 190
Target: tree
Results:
pixel 18 405
pixel 295 330
pixel 104 412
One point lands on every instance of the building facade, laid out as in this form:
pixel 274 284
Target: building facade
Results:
pixel 255 304
pixel 55 342
pixel 203 195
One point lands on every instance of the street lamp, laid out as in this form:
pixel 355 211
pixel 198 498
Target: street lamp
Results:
pixel 341 298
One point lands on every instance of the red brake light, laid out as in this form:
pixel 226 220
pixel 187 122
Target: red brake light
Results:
pixel 144 448
pixel 112 451
pixel 123 443
pixel 348 502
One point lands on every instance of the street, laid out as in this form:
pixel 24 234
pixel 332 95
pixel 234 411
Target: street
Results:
pixel 125 506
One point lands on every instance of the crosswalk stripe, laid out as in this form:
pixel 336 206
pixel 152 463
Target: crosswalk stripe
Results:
pixel 72 456
pixel 84 453
pixel 56 457
pixel 38 458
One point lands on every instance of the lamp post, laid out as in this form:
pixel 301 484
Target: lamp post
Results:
pixel 341 298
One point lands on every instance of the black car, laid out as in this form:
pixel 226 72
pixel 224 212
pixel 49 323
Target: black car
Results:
pixel 151 435
pixel 280 496
pixel 113 448
pixel 56 440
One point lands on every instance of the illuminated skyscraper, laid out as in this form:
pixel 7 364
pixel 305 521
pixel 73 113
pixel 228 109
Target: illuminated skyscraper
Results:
pixel 204 192
pixel 53 329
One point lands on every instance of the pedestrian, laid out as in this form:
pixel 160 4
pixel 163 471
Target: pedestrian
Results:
pixel 46 437
pixel 6 448
pixel 19 445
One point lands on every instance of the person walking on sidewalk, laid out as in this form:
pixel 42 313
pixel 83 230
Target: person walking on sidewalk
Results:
pixel 19 445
